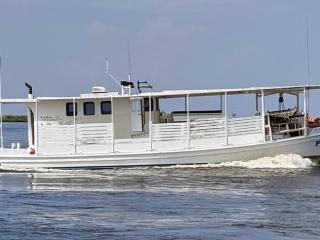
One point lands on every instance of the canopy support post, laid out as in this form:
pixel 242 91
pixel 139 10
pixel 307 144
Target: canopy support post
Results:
pixel 226 118
pixel 74 127
pixel 305 111
pixel 1 122
pixel 150 123
pixel 1 117
pixel 257 103
pixel 263 116
pixel 37 129
pixel 188 120
pixel 112 128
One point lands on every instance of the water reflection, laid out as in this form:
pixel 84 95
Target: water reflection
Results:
pixel 161 203
pixel 163 179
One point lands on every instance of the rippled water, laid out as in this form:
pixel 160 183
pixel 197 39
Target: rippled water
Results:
pixel 161 203
pixel 268 198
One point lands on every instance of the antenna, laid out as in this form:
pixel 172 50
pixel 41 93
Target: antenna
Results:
pixel 308 60
pixel 109 74
pixel 129 62
pixel 307 51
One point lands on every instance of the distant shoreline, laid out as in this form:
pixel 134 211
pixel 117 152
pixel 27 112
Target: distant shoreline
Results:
pixel 14 118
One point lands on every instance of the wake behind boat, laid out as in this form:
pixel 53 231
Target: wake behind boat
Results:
pixel 110 129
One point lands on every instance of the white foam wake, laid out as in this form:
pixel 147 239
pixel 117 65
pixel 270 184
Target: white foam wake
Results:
pixel 278 161
pixel 22 169
pixel 284 161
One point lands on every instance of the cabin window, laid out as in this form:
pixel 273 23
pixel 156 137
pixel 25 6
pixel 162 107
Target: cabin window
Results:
pixel 69 109
pixel 88 108
pixel 106 107
pixel 146 104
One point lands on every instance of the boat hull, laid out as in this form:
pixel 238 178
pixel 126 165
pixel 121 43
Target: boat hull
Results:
pixel 305 146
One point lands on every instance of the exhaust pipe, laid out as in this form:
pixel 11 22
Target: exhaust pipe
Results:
pixel 30 89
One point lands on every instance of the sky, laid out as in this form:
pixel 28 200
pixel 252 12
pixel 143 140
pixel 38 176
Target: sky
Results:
pixel 60 46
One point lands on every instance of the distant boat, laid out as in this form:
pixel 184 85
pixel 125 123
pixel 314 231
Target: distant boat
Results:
pixel 110 129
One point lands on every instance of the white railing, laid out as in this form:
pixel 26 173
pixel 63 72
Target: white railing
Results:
pixel 209 132
pixel 98 137
pixel 169 132
pixel 67 139
pixel 97 133
pixel 52 133
pixel 244 126
pixel 207 128
pixel 55 138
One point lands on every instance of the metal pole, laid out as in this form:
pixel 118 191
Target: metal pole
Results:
pixel 305 111
pixel 74 127
pixel 150 123
pixel 185 104
pixel 257 103
pixel 112 124
pixel 226 118
pixel 37 129
pixel 188 120
pixel 1 118
pixel 262 116
pixel 298 102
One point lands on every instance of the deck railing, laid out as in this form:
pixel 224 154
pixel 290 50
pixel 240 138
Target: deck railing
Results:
pixel 209 132
pixel 245 126
pixel 169 132
pixel 66 139
pixel 98 137
pixel 207 128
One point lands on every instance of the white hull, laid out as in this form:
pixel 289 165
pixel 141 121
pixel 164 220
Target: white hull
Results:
pixel 305 146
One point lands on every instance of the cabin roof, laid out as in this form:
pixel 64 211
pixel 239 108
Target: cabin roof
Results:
pixel 18 100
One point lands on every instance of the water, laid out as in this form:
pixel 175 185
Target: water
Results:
pixel 15 132
pixel 268 198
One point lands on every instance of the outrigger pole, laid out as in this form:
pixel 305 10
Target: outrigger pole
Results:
pixel 125 85
pixel 109 74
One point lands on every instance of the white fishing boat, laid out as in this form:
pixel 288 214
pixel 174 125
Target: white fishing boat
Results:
pixel 110 129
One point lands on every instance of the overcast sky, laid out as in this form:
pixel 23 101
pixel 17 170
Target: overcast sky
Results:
pixel 59 46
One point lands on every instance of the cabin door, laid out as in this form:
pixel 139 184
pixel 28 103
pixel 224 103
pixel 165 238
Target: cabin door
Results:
pixel 136 115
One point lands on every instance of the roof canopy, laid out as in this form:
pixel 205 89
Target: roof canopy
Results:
pixel 179 93
pixel 234 91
